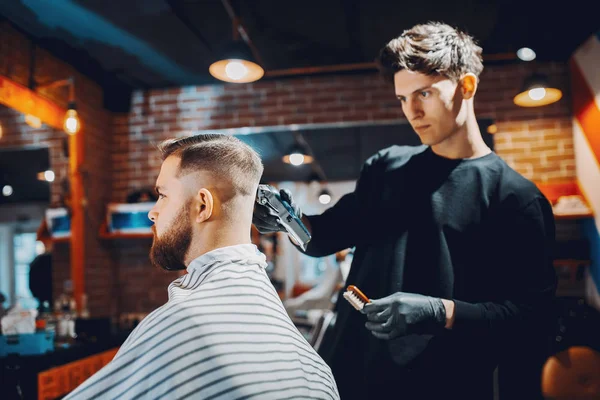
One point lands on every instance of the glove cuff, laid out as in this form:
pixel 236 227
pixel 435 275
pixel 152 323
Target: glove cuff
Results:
pixel 439 313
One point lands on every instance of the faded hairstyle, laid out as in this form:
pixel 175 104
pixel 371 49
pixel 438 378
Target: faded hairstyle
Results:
pixel 433 48
pixel 224 156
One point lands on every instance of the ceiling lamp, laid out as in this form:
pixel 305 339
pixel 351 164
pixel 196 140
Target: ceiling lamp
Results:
pixel 537 92
pixel 237 65
pixel 297 156
pixel 324 196
pixel 240 61
pixel 72 124
pixel 526 54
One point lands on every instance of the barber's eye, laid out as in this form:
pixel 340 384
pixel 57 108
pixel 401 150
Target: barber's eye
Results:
pixel 161 196
pixel 425 94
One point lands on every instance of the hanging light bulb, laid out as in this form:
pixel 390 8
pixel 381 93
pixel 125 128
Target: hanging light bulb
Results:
pixel 537 92
pixel 7 190
pixel 526 54
pixel 297 156
pixel 72 124
pixel 47 176
pixel 324 197
pixel 237 65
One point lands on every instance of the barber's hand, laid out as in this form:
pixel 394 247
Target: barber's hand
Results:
pixel 404 313
pixel 266 220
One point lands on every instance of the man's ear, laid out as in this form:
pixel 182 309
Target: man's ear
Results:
pixel 203 205
pixel 468 85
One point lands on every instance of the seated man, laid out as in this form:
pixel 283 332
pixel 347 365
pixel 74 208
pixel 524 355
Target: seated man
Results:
pixel 224 333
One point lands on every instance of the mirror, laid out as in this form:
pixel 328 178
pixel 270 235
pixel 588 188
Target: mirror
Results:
pixel 33 178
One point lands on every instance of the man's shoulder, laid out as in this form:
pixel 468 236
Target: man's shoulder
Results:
pixel 395 154
pixel 516 191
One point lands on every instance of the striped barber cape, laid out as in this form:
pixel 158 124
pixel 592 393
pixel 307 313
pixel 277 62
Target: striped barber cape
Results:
pixel 223 334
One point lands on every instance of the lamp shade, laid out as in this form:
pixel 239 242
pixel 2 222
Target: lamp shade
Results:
pixel 296 155
pixel 536 92
pixel 236 65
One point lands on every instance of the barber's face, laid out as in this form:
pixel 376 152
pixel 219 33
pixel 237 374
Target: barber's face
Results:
pixel 172 219
pixel 432 105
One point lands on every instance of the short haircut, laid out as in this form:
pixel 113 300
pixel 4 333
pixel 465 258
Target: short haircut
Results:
pixel 433 48
pixel 224 156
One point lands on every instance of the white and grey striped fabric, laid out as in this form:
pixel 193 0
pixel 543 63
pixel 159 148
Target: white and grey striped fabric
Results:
pixel 223 334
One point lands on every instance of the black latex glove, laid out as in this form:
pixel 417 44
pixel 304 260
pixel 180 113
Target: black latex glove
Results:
pixel 266 220
pixel 402 314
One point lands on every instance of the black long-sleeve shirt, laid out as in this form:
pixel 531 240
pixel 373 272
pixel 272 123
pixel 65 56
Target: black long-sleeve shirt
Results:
pixel 473 231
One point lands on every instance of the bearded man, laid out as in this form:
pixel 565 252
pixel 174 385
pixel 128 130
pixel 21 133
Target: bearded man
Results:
pixel 224 333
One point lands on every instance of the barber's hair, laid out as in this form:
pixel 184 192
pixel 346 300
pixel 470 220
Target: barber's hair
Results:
pixel 224 156
pixel 433 48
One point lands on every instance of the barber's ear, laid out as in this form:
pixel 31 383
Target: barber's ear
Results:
pixel 203 205
pixel 468 85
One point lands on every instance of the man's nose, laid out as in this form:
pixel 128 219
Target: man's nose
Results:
pixel 152 215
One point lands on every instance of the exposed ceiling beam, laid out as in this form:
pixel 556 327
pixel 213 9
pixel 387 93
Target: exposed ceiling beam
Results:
pixel 24 100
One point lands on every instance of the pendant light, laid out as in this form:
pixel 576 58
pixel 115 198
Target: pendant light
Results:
pixel 237 65
pixel 537 92
pixel 237 62
pixel 297 155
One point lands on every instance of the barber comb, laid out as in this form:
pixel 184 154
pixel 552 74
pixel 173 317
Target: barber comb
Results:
pixel 355 297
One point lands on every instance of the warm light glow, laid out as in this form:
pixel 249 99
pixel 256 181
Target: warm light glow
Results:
pixel 49 176
pixel 236 71
pixel 72 124
pixel 7 190
pixel 526 54
pixel 33 121
pixel 324 198
pixel 493 128
pixel 1 131
pixel 537 94
pixel 296 159
pixel 537 97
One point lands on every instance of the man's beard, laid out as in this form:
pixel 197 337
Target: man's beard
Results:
pixel 168 251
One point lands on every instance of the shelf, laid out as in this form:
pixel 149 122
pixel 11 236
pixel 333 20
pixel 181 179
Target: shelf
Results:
pixel 555 190
pixel 574 216
pixel 44 234
pixel 105 234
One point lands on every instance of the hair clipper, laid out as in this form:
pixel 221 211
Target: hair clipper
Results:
pixel 270 197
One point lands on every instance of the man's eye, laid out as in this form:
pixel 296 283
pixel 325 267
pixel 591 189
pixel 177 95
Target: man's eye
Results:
pixel 425 94
pixel 161 196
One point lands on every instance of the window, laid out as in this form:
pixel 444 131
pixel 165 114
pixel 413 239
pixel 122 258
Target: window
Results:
pixel 25 252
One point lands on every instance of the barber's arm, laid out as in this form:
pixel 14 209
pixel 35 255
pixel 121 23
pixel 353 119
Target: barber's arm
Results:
pixel 525 251
pixel 332 231
pixel 339 227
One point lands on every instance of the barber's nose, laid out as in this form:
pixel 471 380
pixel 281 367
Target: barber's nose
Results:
pixel 413 109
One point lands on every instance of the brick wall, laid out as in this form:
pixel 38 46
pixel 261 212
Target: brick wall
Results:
pixel 537 142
